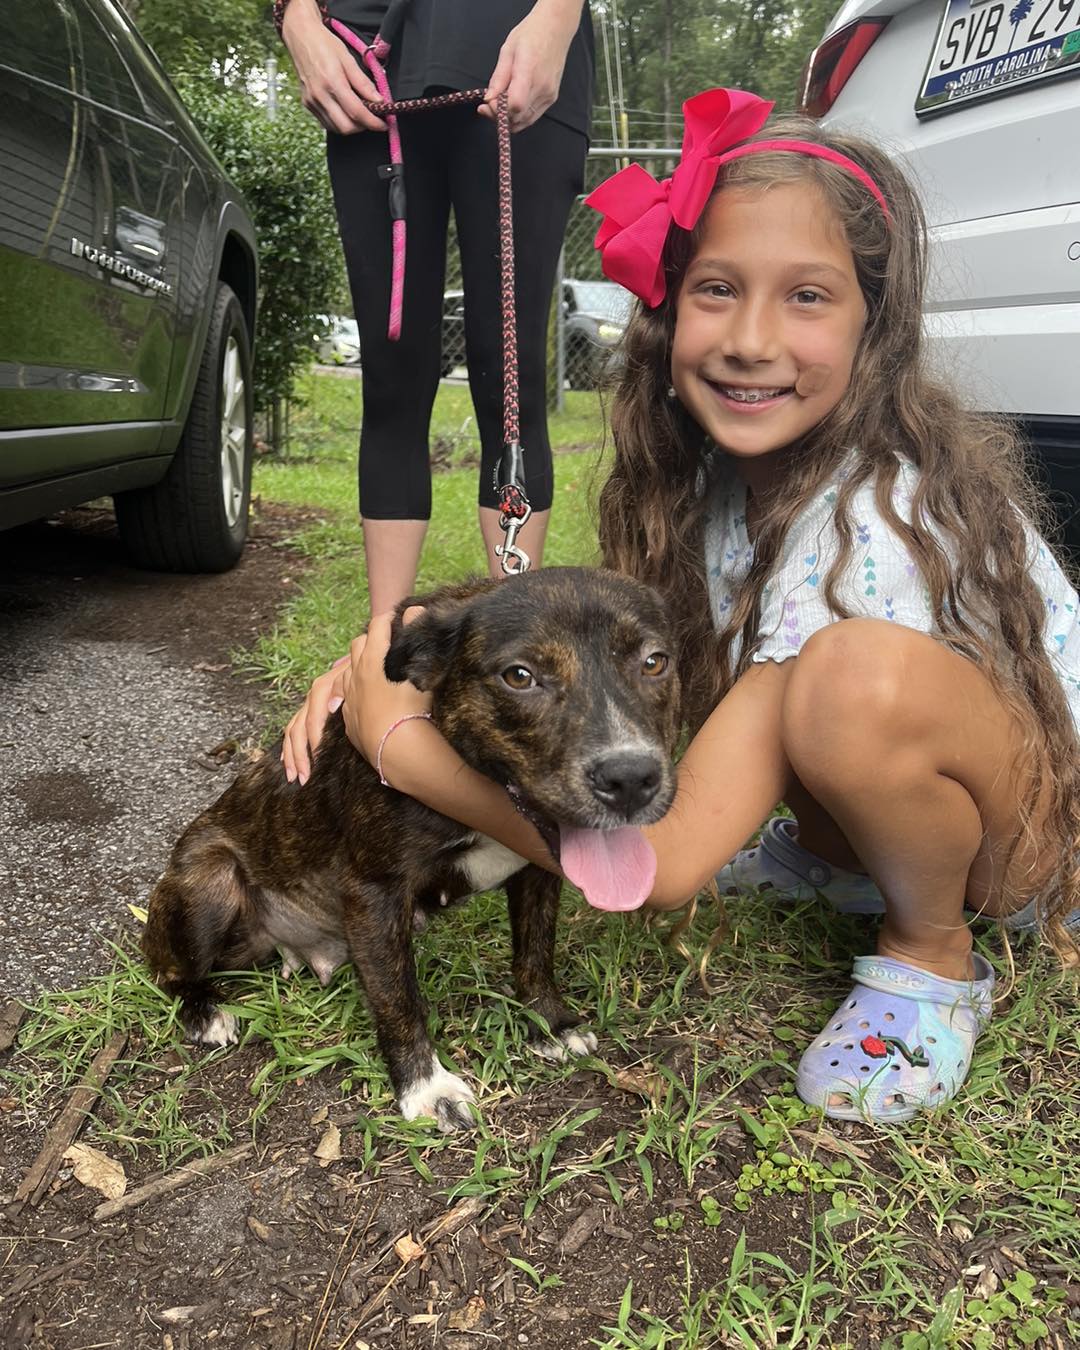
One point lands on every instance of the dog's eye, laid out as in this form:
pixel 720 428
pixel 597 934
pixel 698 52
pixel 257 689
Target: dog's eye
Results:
pixel 655 664
pixel 519 677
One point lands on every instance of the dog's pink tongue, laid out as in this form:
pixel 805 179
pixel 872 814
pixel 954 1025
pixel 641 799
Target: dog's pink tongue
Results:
pixel 613 869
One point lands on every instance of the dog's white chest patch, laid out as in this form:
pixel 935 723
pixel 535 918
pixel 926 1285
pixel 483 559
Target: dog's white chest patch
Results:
pixel 488 863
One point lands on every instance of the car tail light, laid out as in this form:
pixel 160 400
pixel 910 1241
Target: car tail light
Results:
pixel 832 63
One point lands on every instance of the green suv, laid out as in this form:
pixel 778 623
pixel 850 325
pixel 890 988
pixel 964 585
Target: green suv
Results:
pixel 128 282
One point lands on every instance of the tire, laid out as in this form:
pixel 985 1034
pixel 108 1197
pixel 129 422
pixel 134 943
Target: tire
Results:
pixel 581 363
pixel 196 518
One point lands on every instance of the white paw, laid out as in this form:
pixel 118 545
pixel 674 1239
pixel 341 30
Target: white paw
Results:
pixel 222 1029
pixel 571 1041
pixel 443 1096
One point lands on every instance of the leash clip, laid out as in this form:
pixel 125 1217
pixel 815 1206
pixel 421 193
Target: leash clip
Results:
pixel 509 550
pixel 515 509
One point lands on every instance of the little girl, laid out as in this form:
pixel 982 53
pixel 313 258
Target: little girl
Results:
pixel 873 629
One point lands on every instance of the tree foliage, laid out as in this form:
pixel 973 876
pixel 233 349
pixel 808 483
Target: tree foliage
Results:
pixel 228 37
pixel 671 49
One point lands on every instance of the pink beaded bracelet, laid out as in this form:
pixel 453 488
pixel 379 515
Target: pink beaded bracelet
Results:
pixel 409 717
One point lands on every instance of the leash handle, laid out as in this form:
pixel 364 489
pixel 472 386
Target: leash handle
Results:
pixel 372 57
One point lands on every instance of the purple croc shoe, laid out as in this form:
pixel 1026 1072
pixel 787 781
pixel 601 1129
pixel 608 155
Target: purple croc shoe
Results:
pixel 900 1043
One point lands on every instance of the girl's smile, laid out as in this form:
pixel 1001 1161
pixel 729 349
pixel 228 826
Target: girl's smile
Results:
pixel 744 399
pixel 768 320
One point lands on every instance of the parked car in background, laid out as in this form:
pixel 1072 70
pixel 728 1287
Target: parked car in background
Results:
pixel 595 314
pixel 128 283
pixel 337 340
pixel 594 317
pixel 981 100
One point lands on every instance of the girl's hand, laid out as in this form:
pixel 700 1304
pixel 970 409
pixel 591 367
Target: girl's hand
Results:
pixel 531 61
pixel 331 82
pixel 305 729
pixel 372 703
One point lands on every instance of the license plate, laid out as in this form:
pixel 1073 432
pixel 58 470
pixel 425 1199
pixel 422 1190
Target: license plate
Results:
pixel 987 47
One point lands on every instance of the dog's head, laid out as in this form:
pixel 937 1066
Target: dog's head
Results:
pixel 561 685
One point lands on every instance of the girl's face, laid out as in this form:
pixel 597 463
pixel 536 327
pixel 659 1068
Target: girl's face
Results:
pixel 767 321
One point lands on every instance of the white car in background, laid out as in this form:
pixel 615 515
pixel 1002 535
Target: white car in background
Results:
pixel 981 100
pixel 337 340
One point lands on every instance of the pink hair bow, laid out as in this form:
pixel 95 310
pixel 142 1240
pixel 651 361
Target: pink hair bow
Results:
pixel 638 211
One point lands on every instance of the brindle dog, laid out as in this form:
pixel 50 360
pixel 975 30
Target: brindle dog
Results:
pixel 559 684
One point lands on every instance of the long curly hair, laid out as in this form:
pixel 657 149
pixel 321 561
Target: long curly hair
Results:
pixel 971 467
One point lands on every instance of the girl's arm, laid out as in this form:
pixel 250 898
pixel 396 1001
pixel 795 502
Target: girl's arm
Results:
pixel 531 61
pixel 730 778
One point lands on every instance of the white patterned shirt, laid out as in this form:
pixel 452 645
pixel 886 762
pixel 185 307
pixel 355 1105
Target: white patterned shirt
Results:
pixel 881 581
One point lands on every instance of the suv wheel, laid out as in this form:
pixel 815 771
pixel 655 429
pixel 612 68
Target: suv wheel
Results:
pixel 195 519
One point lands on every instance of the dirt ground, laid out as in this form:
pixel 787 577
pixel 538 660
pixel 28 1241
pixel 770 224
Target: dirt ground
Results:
pixel 279 1247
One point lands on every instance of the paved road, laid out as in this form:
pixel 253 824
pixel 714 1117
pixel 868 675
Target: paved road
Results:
pixel 114 685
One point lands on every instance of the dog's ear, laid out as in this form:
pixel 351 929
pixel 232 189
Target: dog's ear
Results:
pixel 424 650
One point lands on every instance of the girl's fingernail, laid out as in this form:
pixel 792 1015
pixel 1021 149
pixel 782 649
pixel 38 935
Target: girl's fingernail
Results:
pixel 303 779
pixel 290 774
pixel 334 704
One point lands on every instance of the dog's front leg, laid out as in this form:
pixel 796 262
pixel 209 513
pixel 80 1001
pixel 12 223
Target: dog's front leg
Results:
pixel 378 928
pixel 533 895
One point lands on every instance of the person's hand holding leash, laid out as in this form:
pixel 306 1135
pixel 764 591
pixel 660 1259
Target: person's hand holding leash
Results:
pixel 332 84
pixel 530 66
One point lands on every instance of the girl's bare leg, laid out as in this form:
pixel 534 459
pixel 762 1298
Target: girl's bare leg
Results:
pixel 392 554
pixel 910 753
pixel 818 832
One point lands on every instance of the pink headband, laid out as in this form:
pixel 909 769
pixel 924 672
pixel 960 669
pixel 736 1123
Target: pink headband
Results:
pixel 638 211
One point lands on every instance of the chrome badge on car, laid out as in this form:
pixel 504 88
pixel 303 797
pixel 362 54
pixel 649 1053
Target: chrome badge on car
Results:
pixel 111 263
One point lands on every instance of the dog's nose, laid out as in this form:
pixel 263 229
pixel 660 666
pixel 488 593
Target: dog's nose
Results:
pixel 625 781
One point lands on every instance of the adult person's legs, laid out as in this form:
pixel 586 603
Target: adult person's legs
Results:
pixel 548 172
pixel 400 379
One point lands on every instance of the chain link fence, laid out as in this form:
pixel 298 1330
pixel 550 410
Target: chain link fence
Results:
pixel 589 312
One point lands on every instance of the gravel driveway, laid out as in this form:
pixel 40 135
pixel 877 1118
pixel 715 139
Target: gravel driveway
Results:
pixel 115 685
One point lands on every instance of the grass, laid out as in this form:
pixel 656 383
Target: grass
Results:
pixel 871 1206
pixel 795 1232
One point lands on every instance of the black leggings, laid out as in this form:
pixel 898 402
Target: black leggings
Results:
pixel 451 160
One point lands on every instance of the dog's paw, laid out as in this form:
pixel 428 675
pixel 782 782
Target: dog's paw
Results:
pixel 290 962
pixel 219 1030
pixel 443 1096
pixel 571 1041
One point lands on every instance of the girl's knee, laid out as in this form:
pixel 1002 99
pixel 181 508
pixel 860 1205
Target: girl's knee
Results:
pixel 852 682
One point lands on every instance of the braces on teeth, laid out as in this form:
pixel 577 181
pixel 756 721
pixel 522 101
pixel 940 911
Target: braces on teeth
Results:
pixel 752 395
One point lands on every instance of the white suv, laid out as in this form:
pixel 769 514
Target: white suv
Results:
pixel 981 100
